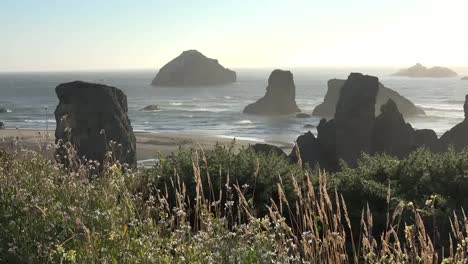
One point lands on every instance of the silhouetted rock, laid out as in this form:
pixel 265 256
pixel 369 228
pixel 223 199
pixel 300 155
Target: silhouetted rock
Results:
pixel 350 132
pixel 192 68
pixel 268 149
pixel 391 134
pixel 3 110
pixel 328 107
pixel 89 116
pixel 150 108
pixel 2 125
pixel 355 130
pixel 279 98
pixel 426 138
pixel 302 115
pixel 326 135
pixel 355 115
pixel 419 70
pixel 309 151
pixel 458 135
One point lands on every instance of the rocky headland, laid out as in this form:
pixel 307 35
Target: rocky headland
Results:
pixel 192 68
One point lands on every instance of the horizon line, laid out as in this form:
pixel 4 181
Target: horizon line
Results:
pixel 97 70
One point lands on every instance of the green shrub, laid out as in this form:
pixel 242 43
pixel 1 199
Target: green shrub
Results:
pixel 227 206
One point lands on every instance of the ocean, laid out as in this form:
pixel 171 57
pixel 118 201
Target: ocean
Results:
pixel 217 111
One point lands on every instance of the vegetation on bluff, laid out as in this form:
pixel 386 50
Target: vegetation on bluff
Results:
pixel 226 206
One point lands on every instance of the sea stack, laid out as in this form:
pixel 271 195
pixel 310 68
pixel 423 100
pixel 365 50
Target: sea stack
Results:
pixel 192 68
pixel 355 115
pixel 391 134
pixel 458 135
pixel 355 130
pixel 91 115
pixel 328 107
pixel 280 97
pixel 420 71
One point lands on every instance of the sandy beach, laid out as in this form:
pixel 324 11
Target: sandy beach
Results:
pixel 149 145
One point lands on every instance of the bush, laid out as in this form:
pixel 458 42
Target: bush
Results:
pixel 225 206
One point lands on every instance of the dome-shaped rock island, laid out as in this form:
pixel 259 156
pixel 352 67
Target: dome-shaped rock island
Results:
pixel 420 71
pixel 192 68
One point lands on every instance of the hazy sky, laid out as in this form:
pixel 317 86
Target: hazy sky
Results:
pixel 41 35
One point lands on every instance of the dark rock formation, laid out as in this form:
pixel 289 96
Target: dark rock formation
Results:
pixel 3 110
pixel 89 116
pixel 458 135
pixel 326 135
pixel 268 149
pixel 355 130
pixel 309 126
pixel 391 134
pixel 150 108
pixel 308 149
pixel 192 68
pixel 426 138
pixel 419 71
pixel 2 125
pixel 279 98
pixel 350 132
pixel 355 115
pixel 328 107
pixel 302 115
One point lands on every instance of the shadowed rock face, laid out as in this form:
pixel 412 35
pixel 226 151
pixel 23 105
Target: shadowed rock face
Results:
pixel 280 97
pixel 192 68
pixel 355 130
pixel 355 115
pixel 86 109
pixel 419 71
pixel 458 135
pixel 391 134
pixel 426 138
pixel 267 149
pixel 311 152
pixel 328 107
pixel 350 132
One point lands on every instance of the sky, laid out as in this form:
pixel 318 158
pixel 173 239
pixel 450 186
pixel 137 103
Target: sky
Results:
pixel 66 35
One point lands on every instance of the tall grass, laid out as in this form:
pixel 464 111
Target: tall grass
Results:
pixel 56 214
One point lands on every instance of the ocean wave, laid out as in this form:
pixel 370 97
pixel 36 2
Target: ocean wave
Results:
pixel 244 122
pixel 159 110
pixel 39 121
pixel 457 102
pixel 210 110
pixel 442 109
pixel 176 103
pixel 242 138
